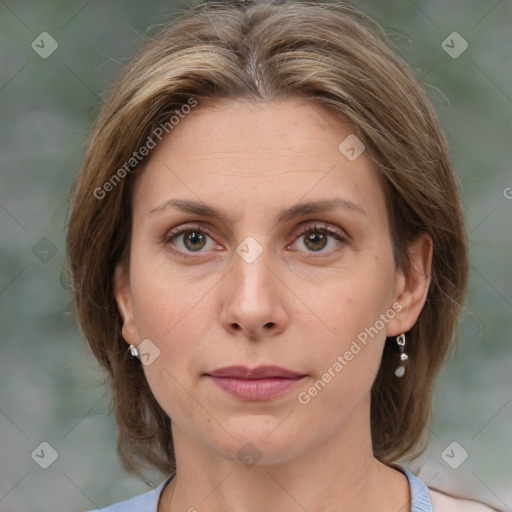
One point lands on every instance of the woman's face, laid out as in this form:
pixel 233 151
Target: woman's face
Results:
pixel 259 279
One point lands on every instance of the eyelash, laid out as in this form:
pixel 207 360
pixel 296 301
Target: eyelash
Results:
pixel 320 228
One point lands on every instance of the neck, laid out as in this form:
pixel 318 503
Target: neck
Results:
pixel 340 474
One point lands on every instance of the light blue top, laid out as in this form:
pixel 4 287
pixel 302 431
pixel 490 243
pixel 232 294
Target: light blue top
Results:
pixel 148 502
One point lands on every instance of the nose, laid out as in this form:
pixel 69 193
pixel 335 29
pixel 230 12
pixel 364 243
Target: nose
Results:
pixel 254 298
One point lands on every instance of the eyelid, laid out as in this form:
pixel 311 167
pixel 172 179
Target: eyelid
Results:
pixel 183 229
pixel 316 224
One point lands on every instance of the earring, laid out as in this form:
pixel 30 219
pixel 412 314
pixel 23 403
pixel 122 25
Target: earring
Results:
pixel 403 356
pixel 134 351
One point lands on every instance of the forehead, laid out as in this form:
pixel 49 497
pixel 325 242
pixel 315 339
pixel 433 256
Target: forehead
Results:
pixel 257 156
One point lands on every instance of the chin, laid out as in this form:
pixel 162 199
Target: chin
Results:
pixel 261 440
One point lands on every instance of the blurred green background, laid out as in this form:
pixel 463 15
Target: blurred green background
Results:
pixel 51 388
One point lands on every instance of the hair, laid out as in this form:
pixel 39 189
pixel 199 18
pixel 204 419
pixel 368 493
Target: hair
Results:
pixel 333 56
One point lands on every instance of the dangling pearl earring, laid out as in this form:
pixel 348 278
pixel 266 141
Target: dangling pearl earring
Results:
pixel 403 356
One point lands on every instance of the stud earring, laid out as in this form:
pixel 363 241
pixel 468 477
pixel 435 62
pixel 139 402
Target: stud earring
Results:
pixel 403 356
pixel 134 351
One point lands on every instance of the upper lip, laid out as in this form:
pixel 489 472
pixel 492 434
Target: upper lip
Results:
pixel 261 372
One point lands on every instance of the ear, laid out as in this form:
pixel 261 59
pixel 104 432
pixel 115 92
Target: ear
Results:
pixel 123 298
pixel 411 292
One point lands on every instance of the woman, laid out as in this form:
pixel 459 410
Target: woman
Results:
pixel 269 256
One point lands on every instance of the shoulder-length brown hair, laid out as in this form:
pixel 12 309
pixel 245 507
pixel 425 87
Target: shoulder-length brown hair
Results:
pixel 336 57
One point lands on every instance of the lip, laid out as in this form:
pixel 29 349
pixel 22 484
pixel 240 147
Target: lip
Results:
pixel 260 372
pixel 261 383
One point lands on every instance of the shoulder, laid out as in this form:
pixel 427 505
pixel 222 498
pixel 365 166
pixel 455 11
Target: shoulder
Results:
pixel 443 502
pixel 147 502
pixel 140 503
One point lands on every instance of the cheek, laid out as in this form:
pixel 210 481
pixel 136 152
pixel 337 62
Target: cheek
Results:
pixel 163 298
pixel 344 362
pixel 174 313
pixel 347 305
pixel 353 315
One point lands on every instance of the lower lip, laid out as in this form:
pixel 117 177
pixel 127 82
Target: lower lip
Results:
pixel 255 389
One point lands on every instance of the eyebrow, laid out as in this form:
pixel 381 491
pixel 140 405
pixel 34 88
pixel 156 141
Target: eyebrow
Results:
pixel 200 208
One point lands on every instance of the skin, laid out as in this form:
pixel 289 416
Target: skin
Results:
pixel 286 308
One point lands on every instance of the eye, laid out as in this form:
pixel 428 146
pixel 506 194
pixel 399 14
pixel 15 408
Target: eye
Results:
pixel 191 238
pixel 316 237
pixel 188 239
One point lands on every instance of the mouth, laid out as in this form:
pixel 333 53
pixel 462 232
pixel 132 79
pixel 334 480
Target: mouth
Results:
pixel 261 383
